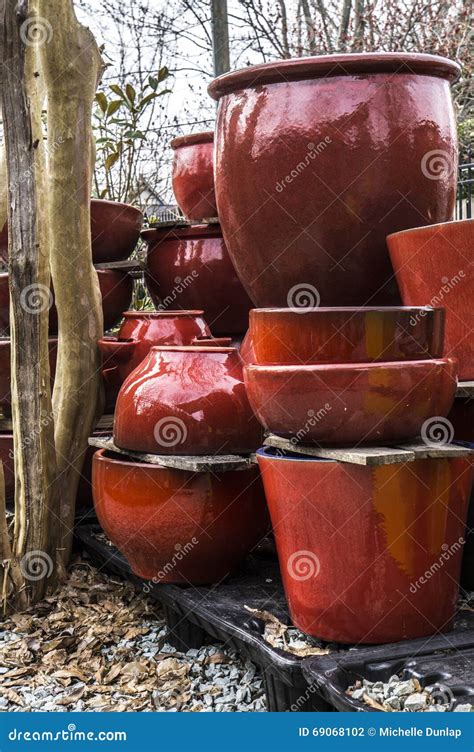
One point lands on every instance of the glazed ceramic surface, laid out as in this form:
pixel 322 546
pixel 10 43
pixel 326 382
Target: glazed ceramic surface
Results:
pixel 345 335
pixel 186 400
pixel 189 267
pixel 435 265
pixel 115 230
pixel 5 369
pixel 351 404
pixel 355 543
pixel 193 175
pixel 461 418
pixel 177 526
pixel 6 457
pixel 318 159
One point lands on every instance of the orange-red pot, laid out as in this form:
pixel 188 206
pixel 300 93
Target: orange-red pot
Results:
pixel 193 175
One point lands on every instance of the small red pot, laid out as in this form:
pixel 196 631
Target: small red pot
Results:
pixel 6 457
pixel 193 175
pixel 189 267
pixel 178 526
pixel 360 403
pixel 368 554
pixel 186 400
pixel 435 265
pixel 5 369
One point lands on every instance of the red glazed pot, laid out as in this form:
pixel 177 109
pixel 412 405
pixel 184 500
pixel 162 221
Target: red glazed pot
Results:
pixel 435 265
pixel 360 403
pixel 5 370
pixel 189 267
pixel 178 526
pixel 186 400
pixel 318 159
pixel 193 175
pixel 461 418
pixel 291 336
pixel 6 457
pixel 368 554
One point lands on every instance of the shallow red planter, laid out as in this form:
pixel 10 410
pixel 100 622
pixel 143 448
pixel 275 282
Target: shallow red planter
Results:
pixel 288 336
pixel 368 554
pixel 186 400
pixel 360 403
pixel 6 457
pixel 189 267
pixel 193 175
pixel 435 265
pixel 178 526
pixel 5 370
pixel 318 159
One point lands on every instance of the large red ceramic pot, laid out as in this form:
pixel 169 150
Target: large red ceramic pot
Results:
pixel 186 400
pixel 6 457
pixel 5 372
pixel 193 175
pixel 189 267
pixel 435 265
pixel 368 554
pixel 178 526
pixel 344 404
pixel 345 335
pixel 318 159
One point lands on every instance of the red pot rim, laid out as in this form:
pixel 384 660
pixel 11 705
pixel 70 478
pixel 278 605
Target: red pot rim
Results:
pixel 320 66
pixel 191 139
pixel 101 456
pixel 194 349
pixel 154 234
pixel 159 314
pixel 334 367
pixel 346 309
pixel 426 228
pixel 118 204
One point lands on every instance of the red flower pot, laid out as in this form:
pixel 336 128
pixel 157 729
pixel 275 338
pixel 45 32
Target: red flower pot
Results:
pixel 318 159
pixel 178 526
pixel 345 335
pixel 435 265
pixel 189 267
pixel 360 403
pixel 186 400
pixel 6 457
pixel 368 554
pixel 193 175
pixel 5 370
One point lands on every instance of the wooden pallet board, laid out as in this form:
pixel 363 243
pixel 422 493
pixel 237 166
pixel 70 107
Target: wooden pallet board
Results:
pixel 465 389
pixel 184 223
pixel 127 265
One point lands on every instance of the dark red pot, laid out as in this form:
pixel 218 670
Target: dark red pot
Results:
pixel 288 336
pixel 6 457
pixel 360 403
pixel 461 417
pixel 368 554
pixel 186 400
pixel 189 267
pixel 5 370
pixel 435 265
pixel 177 526
pixel 193 175
pixel 318 159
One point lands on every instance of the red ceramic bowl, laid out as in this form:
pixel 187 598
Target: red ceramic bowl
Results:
pixel 186 400
pixel 318 159
pixel 6 457
pixel 360 403
pixel 189 267
pixel 5 370
pixel 289 336
pixel 435 265
pixel 193 175
pixel 355 544
pixel 177 526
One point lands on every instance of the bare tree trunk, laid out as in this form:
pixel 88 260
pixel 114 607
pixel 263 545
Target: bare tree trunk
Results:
pixel 359 26
pixel 344 27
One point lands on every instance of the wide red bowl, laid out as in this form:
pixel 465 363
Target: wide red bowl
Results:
pixel 295 336
pixel 368 554
pixel 435 266
pixel 178 526
pixel 189 267
pixel 193 175
pixel 355 403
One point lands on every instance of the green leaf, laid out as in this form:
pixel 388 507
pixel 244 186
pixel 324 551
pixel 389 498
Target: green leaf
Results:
pixel 111 160
pixel 101 100
pixel 131 93
pixel 104 193
pixel 153 82
pixel 147 99
pixel 163 73
pixel 117 90
pixel 114 106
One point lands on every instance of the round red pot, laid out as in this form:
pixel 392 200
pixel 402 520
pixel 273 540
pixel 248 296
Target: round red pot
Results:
pixel 360 403
pixel 5 371
pixel 193 175
pixel 318 159
pixel 186 400
pixel 289 336
pixel 6 457
pixel 435 265
pixel 368 554
pixel 178 526
pixel 189 267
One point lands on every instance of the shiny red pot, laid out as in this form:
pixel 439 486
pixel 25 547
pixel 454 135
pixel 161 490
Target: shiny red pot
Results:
pixel 360 403
pixel 193 175
pixel 6 457
pixel 189 267
pixel 178 526
pixel 5 370
pixel 318 159
pixel 435 265
pixel 186 400
pixel 368 554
